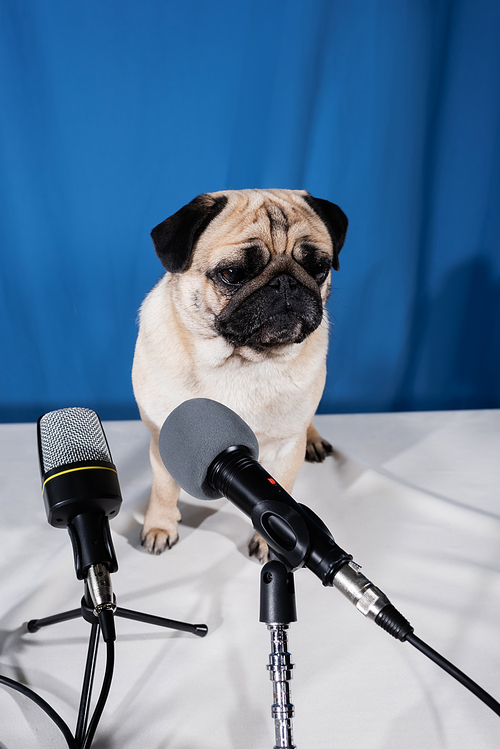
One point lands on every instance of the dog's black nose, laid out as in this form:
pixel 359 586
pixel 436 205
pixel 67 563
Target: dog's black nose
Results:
pixel 283 283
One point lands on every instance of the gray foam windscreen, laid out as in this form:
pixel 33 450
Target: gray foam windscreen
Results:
pixel 70 435
pixel 193 435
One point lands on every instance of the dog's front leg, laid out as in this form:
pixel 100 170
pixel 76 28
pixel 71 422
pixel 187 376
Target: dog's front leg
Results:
pixel 159 531
pixel 317 448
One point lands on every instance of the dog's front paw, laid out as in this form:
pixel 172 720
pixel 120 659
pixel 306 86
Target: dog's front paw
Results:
pixel 318 449
pixel 258 548
pixel 157 540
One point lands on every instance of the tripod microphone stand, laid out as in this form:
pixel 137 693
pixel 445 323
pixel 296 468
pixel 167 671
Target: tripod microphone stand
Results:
pixel 87 611
pixel 81 492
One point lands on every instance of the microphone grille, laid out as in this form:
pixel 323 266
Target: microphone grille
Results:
pixel 70 435
pixel 192 437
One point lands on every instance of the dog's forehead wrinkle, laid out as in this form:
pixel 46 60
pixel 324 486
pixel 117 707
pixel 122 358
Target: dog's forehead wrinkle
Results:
pixel 276 219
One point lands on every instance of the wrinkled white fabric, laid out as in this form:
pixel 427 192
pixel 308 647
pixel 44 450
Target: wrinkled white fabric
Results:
pixel 413 496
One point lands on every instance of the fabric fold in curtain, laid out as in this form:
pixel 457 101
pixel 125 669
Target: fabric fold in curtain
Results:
pixel 114 115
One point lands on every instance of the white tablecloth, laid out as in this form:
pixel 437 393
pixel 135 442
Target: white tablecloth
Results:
pixel 415 499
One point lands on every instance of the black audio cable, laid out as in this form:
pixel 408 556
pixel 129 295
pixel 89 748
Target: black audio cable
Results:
pixel 375 605
pixel 55 717
pixel 101 702
pixel 452 670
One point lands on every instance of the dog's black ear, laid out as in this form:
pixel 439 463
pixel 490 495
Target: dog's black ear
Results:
pixel 335 221
pixel 175 238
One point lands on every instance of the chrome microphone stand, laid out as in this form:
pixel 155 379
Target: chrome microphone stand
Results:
pixel 278 610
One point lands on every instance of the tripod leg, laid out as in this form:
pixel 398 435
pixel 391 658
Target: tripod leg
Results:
pixel 35 624
pixel 88 680
pixel 196 629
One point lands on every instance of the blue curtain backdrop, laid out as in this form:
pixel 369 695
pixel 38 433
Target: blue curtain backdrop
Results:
pixel 115 113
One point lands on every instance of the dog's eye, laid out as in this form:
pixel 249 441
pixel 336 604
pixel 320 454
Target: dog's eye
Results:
pixel 320 272
pixel 232 276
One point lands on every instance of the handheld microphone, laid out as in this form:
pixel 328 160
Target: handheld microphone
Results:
pixel 211 452
pixel 224 462
pixel 81 492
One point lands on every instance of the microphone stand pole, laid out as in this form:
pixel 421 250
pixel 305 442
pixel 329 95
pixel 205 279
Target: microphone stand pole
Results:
pixel 278 610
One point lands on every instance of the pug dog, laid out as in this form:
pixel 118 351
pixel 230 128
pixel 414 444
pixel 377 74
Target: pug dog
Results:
pixel 239 317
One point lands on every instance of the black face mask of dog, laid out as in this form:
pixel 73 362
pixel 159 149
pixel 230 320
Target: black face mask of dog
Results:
pixel 282 305
pixel 272 302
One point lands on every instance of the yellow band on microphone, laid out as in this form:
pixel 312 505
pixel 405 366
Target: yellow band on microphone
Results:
pixel 71 470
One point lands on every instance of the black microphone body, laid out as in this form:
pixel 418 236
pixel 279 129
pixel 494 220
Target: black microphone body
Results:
pixel 211 452
pixel 293 531
pixel 81 492
pixel 79 484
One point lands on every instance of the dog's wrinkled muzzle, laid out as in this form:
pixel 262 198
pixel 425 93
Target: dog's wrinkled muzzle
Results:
pixel 281 306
